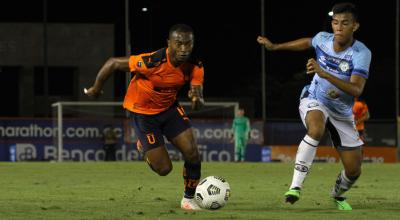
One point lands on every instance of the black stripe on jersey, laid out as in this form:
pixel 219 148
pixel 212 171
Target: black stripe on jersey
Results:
pixel 155 59
pixel 160 56
pixel 188 67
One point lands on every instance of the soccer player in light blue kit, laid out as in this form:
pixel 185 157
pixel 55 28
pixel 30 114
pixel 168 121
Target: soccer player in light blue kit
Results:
pixel 341 69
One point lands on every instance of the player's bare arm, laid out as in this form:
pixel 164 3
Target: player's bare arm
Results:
pixel 296 45
pixel 112 65
pixel 196 95
pixel 354 87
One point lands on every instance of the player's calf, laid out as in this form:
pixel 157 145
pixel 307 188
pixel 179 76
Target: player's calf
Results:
pixel 191 176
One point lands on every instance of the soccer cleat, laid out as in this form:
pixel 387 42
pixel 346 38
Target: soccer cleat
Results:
pixel 292 195
pixel 341 204
pixel 189 204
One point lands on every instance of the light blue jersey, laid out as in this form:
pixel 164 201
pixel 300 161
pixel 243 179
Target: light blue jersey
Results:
pixel 355 60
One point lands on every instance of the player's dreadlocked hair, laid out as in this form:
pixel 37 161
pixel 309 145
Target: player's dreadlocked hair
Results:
pixel 180 28
pixel 346 7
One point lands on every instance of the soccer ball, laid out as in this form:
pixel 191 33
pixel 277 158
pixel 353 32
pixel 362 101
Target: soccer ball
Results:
pixel 212 192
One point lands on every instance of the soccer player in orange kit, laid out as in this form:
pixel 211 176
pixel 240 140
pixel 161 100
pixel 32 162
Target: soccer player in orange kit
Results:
pixel 361 114
pixel 151 98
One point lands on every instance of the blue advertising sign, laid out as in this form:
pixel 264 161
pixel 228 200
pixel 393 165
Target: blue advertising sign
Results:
pixel 36 139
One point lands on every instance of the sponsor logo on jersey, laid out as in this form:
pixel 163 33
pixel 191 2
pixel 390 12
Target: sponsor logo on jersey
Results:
pixel 312 104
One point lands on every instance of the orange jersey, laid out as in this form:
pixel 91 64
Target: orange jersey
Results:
pixel 359 110
pixel 156 83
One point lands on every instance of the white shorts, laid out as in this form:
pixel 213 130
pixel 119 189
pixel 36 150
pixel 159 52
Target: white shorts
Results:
pixel 342 130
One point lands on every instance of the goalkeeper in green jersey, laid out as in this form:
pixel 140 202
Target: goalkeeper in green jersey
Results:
pixel 241 134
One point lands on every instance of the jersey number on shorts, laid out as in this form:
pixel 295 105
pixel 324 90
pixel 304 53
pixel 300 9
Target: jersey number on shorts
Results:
pixel 150 138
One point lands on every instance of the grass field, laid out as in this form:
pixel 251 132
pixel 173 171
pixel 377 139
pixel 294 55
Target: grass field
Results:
pixel 130 190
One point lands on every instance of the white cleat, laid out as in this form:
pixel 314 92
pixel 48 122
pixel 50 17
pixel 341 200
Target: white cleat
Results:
pixel 189 204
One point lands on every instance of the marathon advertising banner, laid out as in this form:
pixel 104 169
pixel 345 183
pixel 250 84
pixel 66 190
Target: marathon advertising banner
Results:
pixel 220 132
pixel 124 152
pixel 289 133
pixel 36 139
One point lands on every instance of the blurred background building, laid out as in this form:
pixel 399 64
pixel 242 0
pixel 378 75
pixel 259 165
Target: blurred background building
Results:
pixel 50 50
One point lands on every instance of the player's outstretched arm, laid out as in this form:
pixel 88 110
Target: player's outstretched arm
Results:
pixel 296 45
pixel 112 65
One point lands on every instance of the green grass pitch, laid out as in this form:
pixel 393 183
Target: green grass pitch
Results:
pixel 130 190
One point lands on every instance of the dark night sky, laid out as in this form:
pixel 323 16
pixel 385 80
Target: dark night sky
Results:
pixel 226 35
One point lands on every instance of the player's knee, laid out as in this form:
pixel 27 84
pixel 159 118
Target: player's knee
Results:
pixel 316 133
pixel 163 171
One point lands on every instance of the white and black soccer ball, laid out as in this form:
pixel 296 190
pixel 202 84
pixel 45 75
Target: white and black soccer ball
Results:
pixel 212 192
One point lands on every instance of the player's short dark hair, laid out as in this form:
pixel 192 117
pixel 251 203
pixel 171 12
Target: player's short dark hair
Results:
pixel 346 7
pixel 183 28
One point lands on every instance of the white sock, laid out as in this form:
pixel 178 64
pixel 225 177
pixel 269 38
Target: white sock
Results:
pixel 304 158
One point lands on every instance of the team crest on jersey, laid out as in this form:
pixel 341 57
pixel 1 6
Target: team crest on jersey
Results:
pixel 344 66
pixel 139 64
pixel 312 104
